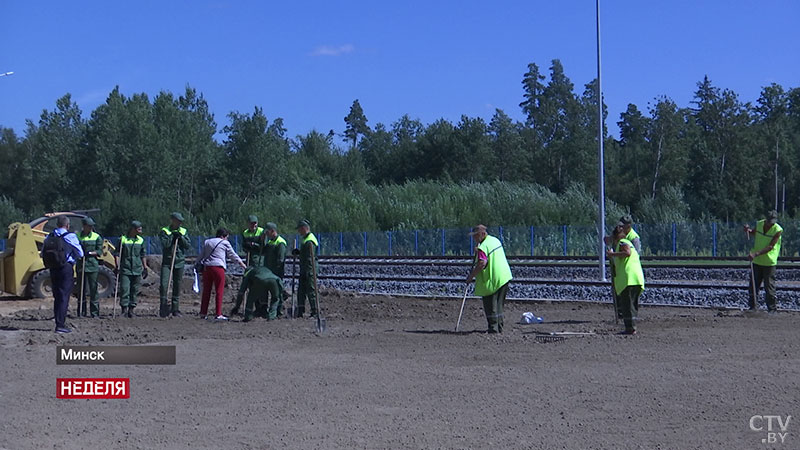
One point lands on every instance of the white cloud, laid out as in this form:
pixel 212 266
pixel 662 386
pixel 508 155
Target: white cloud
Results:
pixel 331 50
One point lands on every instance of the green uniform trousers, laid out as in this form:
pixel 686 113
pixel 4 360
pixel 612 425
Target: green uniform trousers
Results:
pixel 129 289
pixel 177 276
pixel 493 307
pixel 628 304
pixel 88 285
pixel 765 275
pixel 306 290
pixel 257 304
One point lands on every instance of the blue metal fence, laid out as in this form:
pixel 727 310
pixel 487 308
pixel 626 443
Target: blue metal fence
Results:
pixel 672 239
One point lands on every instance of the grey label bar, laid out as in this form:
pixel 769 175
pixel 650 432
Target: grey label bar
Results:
pixel 115 355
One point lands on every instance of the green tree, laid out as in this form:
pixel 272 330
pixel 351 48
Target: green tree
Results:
pixel 472 153
pixel 724 157
pixel 509 159
pixel 773 128
pixel 51 151
pixel 356 123
pixel 256 154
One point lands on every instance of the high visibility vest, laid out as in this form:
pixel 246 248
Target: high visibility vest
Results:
pixel 497 272
pixel 92 242
pixel 253 234
pixel 628 270
pixel 131 252
pixel 311 238
pixel 169 231
pixel 92 236
pixel 307 255
pixel 762 240
pixel 278 240
pixel 632 235
pixel 125 240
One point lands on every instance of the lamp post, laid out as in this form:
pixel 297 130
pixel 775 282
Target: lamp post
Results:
pixel 601 217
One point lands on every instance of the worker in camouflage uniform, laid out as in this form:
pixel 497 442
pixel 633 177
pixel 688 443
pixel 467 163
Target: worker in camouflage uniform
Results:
pixel 174 239
pixel 308 269
pixel 89 266
pixel 132 267
pixel 263 293
pixel 275 258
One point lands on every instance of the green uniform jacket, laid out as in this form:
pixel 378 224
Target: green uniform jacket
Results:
pixel 91 242
pixel 260 281
pixel 130 252
pixel 251 243
pixel 307 255
pixel 275 256
pixel 165 236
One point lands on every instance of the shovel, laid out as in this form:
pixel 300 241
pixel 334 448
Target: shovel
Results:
pixel 81 304
pixel 321 323
pixel 293 308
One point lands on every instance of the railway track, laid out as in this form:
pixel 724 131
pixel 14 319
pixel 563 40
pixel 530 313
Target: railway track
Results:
pixel 545 281
pixel 702 282
pixel 556 261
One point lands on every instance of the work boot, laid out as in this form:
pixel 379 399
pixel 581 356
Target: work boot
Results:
pixel 176 313
pixel 235 311
pixel 131 315
pixel 124 311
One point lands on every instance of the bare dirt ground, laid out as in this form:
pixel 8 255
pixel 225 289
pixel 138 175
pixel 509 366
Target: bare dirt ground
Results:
pixel 390 373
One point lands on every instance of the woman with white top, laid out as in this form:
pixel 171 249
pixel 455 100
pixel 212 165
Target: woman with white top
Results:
pixel 214 257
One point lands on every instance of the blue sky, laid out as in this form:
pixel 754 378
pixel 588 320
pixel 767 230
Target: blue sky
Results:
pixel 307 61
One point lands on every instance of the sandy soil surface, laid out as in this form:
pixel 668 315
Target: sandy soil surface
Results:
pixel 390 373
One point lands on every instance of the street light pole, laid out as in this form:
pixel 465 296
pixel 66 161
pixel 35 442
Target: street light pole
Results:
pixel 601 217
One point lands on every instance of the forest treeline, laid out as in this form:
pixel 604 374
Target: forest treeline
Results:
pixel 717 158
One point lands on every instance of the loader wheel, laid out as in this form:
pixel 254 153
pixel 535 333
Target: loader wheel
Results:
pixel 41 286
pixel 105 282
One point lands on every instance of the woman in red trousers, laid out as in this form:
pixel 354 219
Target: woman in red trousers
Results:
pixel 214 257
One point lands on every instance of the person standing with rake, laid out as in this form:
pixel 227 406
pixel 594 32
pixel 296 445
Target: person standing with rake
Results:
pixel 174 244
pixel 492 275
pixel 764 259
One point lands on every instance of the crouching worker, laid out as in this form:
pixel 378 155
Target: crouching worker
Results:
pixel 264 293
pixel 628 279
pixel 492 275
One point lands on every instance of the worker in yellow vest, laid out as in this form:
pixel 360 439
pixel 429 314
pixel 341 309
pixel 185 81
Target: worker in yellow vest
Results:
pixel 88 266
pixel 492 275
pixel 307 254
pixel 174 241
pixel 628 278
pixel 764 255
